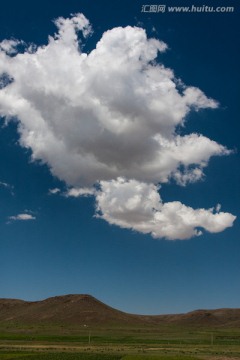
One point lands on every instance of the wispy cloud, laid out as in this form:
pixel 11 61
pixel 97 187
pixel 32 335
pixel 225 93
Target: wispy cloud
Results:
pixel 22 217
pixel 7 186
pixel 109 119
pixel 73 192
pixel 54 191
pixel 77 192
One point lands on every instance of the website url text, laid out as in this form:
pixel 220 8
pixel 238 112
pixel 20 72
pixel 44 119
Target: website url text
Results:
pixel 187 9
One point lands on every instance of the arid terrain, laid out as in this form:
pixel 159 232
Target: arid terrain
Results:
pixel 85 309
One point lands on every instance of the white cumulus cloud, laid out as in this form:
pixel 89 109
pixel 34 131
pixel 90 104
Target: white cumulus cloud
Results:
pixel 138 206
pixel 108 114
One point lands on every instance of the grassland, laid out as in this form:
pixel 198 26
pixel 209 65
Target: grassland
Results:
pixel 81 327
pixel 126 343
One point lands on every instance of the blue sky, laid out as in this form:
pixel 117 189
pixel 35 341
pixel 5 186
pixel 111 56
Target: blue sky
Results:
pixel 132 239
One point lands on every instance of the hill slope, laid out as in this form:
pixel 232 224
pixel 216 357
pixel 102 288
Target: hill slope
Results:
pixel 67 309
pixel 85 309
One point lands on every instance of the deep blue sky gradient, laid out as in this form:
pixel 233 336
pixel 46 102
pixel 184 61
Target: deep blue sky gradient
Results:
pixel 67 250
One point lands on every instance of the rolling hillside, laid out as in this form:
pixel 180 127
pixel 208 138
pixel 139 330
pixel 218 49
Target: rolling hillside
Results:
pixel 86 310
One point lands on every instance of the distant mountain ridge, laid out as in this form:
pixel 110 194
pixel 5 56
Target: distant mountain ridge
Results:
pixel 87 310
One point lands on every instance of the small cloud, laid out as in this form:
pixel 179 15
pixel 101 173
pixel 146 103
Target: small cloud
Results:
pixel 7 186
pixel 54 191
pixel 73 192
pixel 154 29
pixel 4 184
pixel 22 217
pixel 77 192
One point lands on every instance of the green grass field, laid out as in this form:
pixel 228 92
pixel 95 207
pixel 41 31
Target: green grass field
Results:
pixel 84 356
pixel 129 343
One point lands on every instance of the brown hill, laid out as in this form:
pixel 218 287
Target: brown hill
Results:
pixel 86 310
pixel 216 318
pixel 67 309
